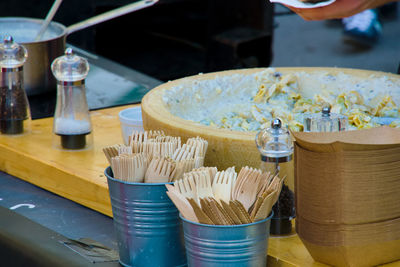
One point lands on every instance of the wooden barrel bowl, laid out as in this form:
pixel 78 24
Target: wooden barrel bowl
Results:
pixel 226 147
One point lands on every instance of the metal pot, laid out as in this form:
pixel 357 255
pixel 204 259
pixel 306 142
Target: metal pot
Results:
pixel 37 73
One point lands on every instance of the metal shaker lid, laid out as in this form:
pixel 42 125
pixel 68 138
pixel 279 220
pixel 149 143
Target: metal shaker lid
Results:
pixel 325 121
pixel 70 67
pixel 12 55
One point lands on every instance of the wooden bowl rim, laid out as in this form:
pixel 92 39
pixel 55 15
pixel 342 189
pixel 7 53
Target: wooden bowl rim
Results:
pixel 154 106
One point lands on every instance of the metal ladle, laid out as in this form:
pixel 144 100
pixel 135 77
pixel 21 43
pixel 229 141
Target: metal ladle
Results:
pixel 48 19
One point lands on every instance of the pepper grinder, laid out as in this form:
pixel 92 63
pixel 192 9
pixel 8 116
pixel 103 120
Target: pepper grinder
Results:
pixel 14 106
pixel 72 127
pixel 325 121
pixel 276 147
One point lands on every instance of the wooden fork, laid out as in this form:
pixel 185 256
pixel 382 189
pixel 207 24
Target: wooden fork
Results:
pixel 187 187
pixel 211 171
pixel 198 162
pixel 222 186
pixel 182 167
pixel 200 144
pixel 123 149
pixel 140 168
pixel 183 153
pixel 159 170
pixel 143 136
pixel 239 181
pixel 203 185
pixel 181 203
pixel 129 167
pixel 247 193
pixel 110 152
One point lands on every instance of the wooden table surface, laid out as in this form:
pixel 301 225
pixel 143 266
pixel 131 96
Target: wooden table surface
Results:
pixel 289 251
pixel 78 175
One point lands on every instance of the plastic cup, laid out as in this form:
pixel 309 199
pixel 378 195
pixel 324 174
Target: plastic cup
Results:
pixel 226 245
pixel 131 120
pixel 146 223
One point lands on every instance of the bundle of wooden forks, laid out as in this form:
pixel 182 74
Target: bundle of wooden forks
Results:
pixel 153 157
pixel 208 196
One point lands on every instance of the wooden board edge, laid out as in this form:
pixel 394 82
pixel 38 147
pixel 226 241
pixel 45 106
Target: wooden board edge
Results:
pixel 54 180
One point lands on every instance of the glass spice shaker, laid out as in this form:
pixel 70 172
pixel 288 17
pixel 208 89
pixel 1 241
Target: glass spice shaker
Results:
pixel 72 127
pixel 14 106
pixel 325 121
pixel 276 147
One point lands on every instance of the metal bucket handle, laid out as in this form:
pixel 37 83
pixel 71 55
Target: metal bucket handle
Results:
pixel 110 15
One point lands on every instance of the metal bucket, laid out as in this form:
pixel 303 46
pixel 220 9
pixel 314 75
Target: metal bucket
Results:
pixel 147 225
pixel 226 245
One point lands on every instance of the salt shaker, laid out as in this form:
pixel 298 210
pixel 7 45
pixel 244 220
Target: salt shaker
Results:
pixel 325 121
pixel 276 147
pixel 14 106
pixel 72 127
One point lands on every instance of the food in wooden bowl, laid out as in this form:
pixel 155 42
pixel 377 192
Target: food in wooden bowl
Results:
pixel 228 108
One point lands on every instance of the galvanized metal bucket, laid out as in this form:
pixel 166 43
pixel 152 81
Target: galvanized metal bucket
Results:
pixel 147 224
pixel 226 245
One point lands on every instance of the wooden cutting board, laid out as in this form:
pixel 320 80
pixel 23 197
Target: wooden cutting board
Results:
pixel 76 175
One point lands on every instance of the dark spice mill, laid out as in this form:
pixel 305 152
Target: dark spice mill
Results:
pixel 276 147
pixel 72 126
pixel 14 105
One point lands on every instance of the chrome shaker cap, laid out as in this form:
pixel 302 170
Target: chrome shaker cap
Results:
pixel 12 55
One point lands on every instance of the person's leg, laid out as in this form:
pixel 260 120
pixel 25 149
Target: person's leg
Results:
pixel 363 28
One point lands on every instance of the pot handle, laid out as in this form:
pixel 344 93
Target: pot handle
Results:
pixel 110 15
